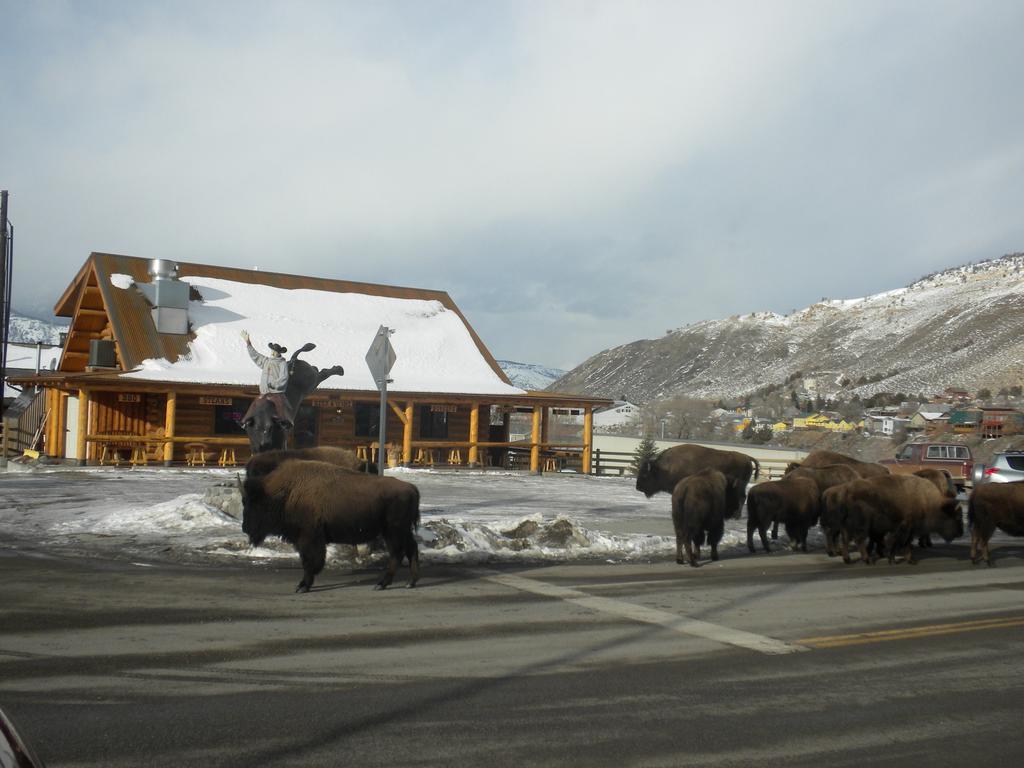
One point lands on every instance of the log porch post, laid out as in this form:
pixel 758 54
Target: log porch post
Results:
pixel 535 441
pixel 588 437
pixel 61 427
pixel 81 445
pixel 474 434
pixel 407 435
pixel 170 416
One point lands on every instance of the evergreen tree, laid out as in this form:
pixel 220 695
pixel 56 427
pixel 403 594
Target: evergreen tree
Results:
pixel 645 450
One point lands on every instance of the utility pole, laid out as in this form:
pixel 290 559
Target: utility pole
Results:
pixel 6 251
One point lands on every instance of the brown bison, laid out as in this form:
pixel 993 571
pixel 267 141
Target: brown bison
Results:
pixel 942 480
pixel 825 476
pixel 311 504
pixel 822 458
pixel 698 514
pixel 991 506
pixel 892 510
pixel 262 464
pixel 665 470
pixel 792 501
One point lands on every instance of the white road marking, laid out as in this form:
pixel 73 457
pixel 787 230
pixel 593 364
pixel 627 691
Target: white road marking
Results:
pixel 681 624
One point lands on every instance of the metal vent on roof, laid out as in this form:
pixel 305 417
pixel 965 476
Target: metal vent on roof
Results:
pixel 170 298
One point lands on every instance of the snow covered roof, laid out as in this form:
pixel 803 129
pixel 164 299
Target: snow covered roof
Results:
pixel 437 350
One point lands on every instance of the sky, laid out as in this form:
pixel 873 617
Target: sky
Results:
pixel 576 175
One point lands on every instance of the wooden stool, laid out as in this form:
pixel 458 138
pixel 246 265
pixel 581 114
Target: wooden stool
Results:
pixel 227 457
pixel 424 456
pixel 454 456
pixel 139 455
pixel 550 464
pixel 111 452
pixel 195 455
pixel 361 453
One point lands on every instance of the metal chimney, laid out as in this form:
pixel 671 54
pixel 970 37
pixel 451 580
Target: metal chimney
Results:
pixel 170 310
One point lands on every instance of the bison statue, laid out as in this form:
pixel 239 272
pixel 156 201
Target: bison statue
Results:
pixel 698 514
pixel 991 506
pixel 263 425
pixel 311 504
pixel 665 470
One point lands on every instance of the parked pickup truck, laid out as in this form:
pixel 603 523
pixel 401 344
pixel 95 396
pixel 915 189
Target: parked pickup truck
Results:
pixel 952 457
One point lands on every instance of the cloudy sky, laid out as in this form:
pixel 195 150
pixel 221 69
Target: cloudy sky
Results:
pixel 577 175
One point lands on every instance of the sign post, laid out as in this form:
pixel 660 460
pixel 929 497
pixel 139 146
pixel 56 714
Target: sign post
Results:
pixel 380 358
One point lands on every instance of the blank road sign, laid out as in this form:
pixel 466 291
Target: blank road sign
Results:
pixel 380 357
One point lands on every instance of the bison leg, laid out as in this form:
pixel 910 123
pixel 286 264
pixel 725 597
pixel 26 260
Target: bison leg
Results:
pixel 863 547
pixel 313 557
pixel 845 545
pixel 974 546
pixel 752 524
pixel 413 551
pixel 679 549
pixel 396 550
pixel 775 530
pixel 690 553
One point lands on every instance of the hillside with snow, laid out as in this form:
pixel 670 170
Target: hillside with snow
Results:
pixel 29 330
pixel 963 327
pixel 529 375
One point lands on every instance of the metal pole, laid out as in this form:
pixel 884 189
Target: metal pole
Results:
pixel 4 293
pixel 382 428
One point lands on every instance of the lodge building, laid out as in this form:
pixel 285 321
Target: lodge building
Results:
pixel 154 370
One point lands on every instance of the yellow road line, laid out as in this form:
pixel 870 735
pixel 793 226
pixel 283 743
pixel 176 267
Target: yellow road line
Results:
pixel 910 633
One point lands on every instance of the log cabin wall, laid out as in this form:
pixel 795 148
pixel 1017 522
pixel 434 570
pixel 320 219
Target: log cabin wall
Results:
pixel 113 415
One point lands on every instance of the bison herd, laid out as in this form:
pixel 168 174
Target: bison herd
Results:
pixel 319 496
pixel 852 500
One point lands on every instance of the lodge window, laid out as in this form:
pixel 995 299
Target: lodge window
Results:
pixel 227 418
pixel 367 417
pixel 433 423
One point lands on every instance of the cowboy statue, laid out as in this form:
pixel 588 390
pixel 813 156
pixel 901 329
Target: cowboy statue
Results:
pixel 273 379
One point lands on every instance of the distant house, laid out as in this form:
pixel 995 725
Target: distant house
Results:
pixel 154 360
pixel 930 418
pixel 619 413
pixel 965 420
pixel 999 422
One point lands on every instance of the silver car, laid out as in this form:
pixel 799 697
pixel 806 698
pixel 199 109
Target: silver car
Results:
pixel 1006 467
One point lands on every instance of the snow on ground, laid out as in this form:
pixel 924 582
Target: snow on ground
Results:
pixel 186 515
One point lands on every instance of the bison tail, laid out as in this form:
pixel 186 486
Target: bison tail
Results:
pixel 757 467
pixel 970 512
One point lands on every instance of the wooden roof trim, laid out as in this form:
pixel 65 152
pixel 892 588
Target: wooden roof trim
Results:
pixel 111 381
pixel 62 308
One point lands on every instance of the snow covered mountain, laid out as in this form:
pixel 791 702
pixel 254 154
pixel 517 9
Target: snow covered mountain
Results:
pixel 29 330
pixel 963 327
pixel 528 375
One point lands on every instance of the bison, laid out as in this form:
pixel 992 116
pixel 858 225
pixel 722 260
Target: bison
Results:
pixel 665 470
pixel 894 509
pixel 942 480
pixel 792 501
pixel 698 513
pixel 991 506
pixel 826 476
pixel 311 504
pixel 262 464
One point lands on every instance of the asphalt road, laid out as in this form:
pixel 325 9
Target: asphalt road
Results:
pixel 770 659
